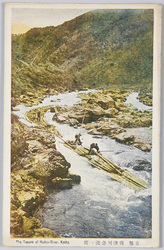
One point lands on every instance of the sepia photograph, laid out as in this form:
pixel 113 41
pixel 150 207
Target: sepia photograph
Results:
pixel 82 124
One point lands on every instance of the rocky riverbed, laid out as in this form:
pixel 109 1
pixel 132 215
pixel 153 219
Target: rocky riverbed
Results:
pixel 37 169
pixel 106 113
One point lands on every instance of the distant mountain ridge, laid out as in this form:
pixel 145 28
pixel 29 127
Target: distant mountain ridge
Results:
pixel 99 49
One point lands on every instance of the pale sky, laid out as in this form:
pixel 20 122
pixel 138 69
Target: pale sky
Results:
pixel 24 19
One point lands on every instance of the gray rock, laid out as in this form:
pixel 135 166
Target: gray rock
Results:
pixel 59 183
pixel 138 168
pixel 75 178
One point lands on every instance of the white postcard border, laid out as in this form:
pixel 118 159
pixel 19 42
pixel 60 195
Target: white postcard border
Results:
pixel 154 242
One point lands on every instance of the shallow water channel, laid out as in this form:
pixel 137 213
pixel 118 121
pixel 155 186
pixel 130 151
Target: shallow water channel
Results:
pixel 97 207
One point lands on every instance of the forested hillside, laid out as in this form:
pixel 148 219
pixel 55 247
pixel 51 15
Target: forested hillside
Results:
pixel 99 49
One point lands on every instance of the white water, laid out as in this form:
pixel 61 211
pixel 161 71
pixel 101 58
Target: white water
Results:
pixel 98 207
pixel 133 99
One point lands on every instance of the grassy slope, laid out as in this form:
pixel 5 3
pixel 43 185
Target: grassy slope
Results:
pixel 102 48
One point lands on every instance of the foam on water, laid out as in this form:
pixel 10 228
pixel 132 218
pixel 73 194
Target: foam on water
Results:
pixel 115 210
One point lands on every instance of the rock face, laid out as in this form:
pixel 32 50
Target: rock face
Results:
pixel 37 169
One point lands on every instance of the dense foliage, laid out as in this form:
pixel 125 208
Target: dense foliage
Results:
pixel 100 49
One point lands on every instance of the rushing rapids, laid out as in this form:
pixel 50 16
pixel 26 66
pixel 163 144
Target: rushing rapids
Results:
pixel 98 207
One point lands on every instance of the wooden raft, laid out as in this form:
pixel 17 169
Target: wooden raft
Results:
pixel 115 172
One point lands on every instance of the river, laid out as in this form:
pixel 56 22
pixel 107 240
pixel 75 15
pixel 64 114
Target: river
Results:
pixel 98 207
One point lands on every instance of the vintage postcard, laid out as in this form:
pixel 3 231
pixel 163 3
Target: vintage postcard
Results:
pixel 82 125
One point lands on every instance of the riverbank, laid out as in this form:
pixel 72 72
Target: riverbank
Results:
pixel 37 169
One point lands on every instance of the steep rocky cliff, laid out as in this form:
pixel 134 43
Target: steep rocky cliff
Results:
pixel 37 169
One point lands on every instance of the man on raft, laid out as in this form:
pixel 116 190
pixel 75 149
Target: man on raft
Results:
pixel 94 146
pixel 77 139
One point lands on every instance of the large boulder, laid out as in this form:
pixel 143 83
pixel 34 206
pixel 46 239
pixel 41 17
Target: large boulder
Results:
pixel 45 172
pixel 30 200
pixel 76 179
pixel 125 138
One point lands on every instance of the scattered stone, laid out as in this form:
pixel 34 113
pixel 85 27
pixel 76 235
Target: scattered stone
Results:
pixel 95 114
